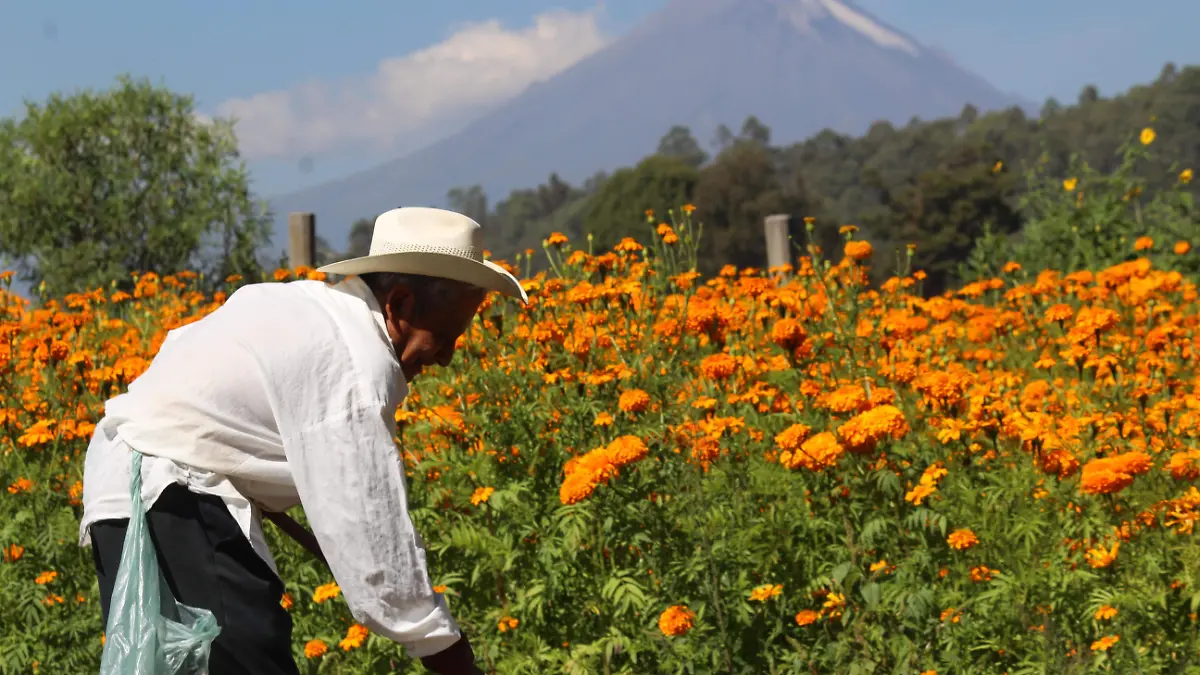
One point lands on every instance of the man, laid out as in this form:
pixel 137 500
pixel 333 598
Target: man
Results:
pixel 287 395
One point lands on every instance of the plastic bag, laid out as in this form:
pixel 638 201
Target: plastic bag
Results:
pixel 139 639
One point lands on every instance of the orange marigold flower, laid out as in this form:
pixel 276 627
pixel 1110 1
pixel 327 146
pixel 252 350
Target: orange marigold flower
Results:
pixel 1100 557
pixel 481 495
pixel 325 592
pixel 315 649
pixel 21 485
pixel 862 432
pixel 792 437
pixel 355 636
pixel 806 616
pixel 1105 612
pixel 633 401
pixel 1182 247
pixel 962 539
pixel 506 624
pixel 788 333
pixel 1184 465
pixel 718 366
pixel 676 620
pixel 13 552
pixel 1109 475
pixel 1143 244
pixel 1105 643
pixel 858 250
pixel 815 454
pixel 556 239
pixel 45 577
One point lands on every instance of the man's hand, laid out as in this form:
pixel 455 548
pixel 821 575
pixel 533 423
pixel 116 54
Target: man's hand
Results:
pixel 457 659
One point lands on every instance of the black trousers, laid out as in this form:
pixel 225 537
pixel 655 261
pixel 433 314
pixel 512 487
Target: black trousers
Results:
pixel 207 562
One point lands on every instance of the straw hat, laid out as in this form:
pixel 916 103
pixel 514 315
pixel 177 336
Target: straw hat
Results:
pixel 431 242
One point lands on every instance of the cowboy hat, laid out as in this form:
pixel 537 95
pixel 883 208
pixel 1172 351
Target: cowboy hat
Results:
pixel 431 242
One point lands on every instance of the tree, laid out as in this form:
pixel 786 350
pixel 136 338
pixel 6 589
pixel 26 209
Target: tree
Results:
pixel 754 131
pixel 618 209
pixel 722 138
pixel 96 186
pixel 734 195
pixel 679 143
pixel 470 201
pixel 358 242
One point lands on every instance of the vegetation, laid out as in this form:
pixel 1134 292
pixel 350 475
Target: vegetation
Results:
pixel 98 185
pixel 650 471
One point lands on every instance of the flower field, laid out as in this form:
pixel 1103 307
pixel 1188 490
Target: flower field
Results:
pixel 645 471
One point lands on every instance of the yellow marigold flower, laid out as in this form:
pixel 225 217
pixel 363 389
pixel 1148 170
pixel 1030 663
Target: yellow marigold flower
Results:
pixel 1105 643
pixel 45 577
pixel 325 592
pixel 481 495
pixel 1147 136
pixel 355 636
pixel 315 649
pixel 962 539
pixel 1105 612
pixel 858 250
pixel 676 620
pixel 1070 183
pixel 1185 176
pixel 603 420
pixel 633 401
pixel 38 434
pixel 765 592
pixel 1143 244
pixel 806 616
pixel 1100 557
pixel 880 565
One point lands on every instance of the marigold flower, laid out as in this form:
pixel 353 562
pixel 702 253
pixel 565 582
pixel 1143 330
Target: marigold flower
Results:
pixel 1105 612
pixel 862 432
pixel 806 616
pixel 1109 475
pixel 858 250
pixel 1182 247
pixel 633 401
pixel 286 601
pixel 506 624
pixel 718 366
pixel 676 620
pixel 815 454
pixel 1147 136
pixel 46 577
pixel 765 592
pixel 315 649
pixel 962 539
pixel 1101 557
pixel 325 592
pixel 481 495
pixel 1143 244
pixel 13 552
pixel 1105 643
pixel 355 636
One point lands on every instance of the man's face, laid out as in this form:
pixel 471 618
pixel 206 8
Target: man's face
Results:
pixel 425 336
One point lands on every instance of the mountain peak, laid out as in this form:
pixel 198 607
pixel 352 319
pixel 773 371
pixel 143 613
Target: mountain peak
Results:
pixel 806 16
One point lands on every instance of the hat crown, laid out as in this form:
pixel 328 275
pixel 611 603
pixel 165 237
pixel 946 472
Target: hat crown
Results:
pixel 414 229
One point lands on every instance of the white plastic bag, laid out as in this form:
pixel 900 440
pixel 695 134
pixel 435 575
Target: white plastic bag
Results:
pixel 139 640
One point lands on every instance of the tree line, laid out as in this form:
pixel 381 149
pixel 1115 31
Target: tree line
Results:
pixel 97 185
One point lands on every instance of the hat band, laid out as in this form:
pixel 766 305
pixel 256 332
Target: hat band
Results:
pixel 385 248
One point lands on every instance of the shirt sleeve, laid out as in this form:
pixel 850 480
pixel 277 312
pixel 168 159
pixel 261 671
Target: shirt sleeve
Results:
pixel 351 482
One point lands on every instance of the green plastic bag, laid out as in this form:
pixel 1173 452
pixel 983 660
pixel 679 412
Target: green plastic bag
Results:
pixel 144 637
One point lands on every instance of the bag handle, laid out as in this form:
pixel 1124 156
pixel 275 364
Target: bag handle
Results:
pixel 296 531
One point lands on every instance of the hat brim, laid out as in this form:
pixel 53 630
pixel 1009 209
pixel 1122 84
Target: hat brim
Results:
pixel 487 275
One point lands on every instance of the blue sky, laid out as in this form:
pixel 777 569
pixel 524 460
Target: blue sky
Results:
pixel 322 60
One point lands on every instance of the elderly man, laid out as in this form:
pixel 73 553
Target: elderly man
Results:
pixel 286 395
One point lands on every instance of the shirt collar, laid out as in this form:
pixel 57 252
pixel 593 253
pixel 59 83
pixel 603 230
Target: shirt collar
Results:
pixel 356 287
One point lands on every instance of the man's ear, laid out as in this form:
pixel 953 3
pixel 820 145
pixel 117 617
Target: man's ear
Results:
pixel 399 305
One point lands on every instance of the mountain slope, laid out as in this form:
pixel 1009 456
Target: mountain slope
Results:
pixel 799 65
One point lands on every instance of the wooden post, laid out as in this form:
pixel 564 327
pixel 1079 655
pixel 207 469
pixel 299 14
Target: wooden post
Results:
pixel 778 246
pixel 302 232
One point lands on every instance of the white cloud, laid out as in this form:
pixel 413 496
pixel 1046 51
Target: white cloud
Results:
pixel 410 100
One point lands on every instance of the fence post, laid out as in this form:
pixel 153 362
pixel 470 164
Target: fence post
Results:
pixel 778 246
pixel 302 232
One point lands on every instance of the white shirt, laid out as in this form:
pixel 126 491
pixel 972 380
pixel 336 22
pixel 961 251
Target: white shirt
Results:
pixel 286 394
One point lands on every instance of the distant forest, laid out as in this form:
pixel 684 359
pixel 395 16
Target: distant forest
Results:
pixel 936 183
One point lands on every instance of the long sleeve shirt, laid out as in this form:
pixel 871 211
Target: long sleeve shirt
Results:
pixel 284 395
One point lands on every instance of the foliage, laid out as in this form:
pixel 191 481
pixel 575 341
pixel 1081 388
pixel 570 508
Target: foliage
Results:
pixel 1091 220
pixel 657 183
pixel 97 185
pixel 648 471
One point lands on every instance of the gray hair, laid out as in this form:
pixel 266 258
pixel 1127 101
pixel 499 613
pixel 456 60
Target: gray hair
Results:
pixel 430 292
